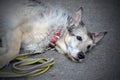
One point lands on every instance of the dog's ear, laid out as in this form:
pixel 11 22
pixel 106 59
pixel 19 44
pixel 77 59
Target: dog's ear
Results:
pixel 76 19
pixel 98 36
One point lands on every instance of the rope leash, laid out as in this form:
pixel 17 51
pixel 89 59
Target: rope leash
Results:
pixel 29 67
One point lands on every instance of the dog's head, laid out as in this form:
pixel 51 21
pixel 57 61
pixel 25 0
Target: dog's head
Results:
pixel 77 40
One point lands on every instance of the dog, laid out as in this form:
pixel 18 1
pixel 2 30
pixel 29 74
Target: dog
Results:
pixel 32 26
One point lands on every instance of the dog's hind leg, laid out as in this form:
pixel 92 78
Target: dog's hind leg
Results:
pixel 11 47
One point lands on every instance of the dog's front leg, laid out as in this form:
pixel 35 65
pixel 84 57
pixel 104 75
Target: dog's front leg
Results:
pixel 11 48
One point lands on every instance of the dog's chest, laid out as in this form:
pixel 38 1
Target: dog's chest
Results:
pixel 37 38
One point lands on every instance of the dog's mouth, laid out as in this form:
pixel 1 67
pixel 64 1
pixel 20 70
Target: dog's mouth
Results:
pixel 74 58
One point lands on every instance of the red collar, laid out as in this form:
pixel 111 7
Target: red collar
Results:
pixel 55 39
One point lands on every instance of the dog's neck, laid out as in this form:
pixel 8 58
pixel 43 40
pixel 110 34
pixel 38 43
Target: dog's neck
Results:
pixel 55 39
pixel 61 45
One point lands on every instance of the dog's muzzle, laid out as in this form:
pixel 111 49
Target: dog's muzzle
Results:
pixel 81 55
pixel 79 58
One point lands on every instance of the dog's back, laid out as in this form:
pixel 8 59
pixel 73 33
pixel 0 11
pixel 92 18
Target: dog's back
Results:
pixel 14 11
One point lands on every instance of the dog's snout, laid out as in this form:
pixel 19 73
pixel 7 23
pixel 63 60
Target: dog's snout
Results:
pixel 81 55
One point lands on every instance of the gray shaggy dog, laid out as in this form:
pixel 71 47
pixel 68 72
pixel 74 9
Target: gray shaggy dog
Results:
pixel 33 25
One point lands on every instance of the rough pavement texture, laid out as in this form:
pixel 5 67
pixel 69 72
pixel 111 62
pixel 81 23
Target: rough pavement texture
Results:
pixel 102 63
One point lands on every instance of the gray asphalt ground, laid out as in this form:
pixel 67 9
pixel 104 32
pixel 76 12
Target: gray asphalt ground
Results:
pixel 101 63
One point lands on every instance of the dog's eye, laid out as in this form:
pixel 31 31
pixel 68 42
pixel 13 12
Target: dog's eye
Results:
pixel 88 47
pixel 79 38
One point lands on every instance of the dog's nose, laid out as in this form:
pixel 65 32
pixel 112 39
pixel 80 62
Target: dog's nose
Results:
pixel 81 55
